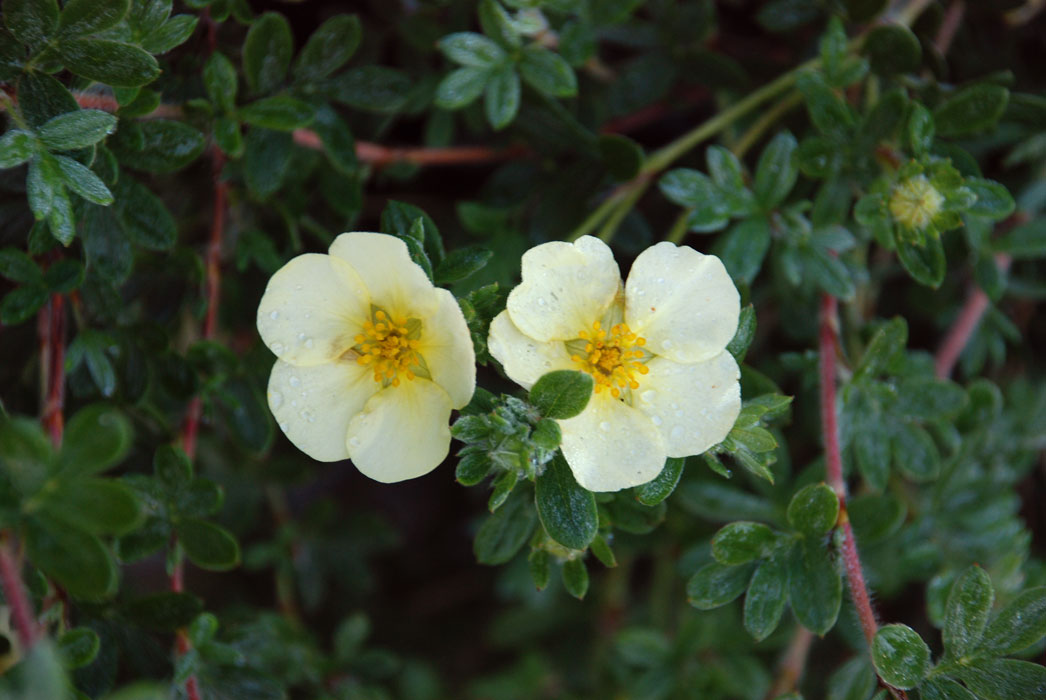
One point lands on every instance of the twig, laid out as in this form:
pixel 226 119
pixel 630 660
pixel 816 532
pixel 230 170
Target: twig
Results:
pixel 965 324
pixel 792 663
pixel 14 593
pixel 829 338
pixel 949 26
pixel 52 361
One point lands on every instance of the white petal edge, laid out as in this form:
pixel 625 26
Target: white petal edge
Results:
pixel 396 283
pixel 694 405
pixel 446 345
pixel 611 446
pixel 312 309
pixel 566 287
pixel 402 432
pixel 683 302
pixel 524 359
pixel 314 405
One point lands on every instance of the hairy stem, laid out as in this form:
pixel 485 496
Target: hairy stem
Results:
pixel 965 324
pixel 792 663
pixel 14 592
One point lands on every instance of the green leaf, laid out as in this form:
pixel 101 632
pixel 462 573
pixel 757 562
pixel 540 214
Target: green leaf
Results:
pixel 928 398
pixel 26 453
pixel 31 21
pixel 281 113
pixel 854 680
pixel 167 146
pixel 876 516
pixel 110 62
pixel 501 99
pixel 228 137
pixel 993 200
pixel 744 248
pixel 926 264
pixel 90 16
pixel 17 266
pixel 143 216
pixel 16 147
pixel 883 349
pixel 207 545
pixel 244 411
pixel 714 585
pixel 108 256
pixel 662 485
pixel 746 325
pixel 567 511
pixel 471 49
pixel 266 159
pixel 174 32
pixel 497 24
pixel 60 219
pixel 329 48
pixel 966 613
pixel 41 97
pixel 540 565
pixel 93 505
pixel 602 551
pixel 562 394
pixel 81 180
pixel 204 627
pixel 472 469
pixel 78 647
pixel 741 542
pixel 941 688
pixel 1019 625
pixel 547 72
pixel 814 509
pixel 338 143
pixel 461 263
pixel 12 57
pixel 461 87
pixel 776 172
pixel 151 537
pixel 814 586
pixel 219 79
pixel 74 559
pixel 921 129
pixel 172 466
pixel 892 50
pixel 503 486
pixel 22 303
pixel 506 531
pixel 78 129
pixel 828 272
pixel 900 655
pixel 166 611
pixel 694 190
pixel 373 88
pixel 1004 679
pixel 766 598
pixel 828 112
pixel 95 439
pixel 267 52
pixel 1024 242
pixel 915 453
pixel 970 110
pixel 575 578
pixel 42 182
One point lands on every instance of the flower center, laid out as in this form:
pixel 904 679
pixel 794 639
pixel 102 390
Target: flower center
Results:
pixel 389 345
pixel 915 202
pixel 612 358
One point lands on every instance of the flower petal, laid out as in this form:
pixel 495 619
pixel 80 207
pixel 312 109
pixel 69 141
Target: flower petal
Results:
pixel 402 432
pixel 396 283
pixel 312 309
pixel 524 359
pixel 313 405
pixel 446 345
pixel 566 287
pixel 611 446
pixel 684 303
pixel 693 405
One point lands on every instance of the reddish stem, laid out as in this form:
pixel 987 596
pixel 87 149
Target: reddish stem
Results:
pixel 14 593
pixel 965 324
pixel 829 339
pixel 54 359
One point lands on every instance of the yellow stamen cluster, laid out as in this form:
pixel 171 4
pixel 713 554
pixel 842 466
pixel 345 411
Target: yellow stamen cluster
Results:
pixel 612 358
pixel 914 202
pixel 384 345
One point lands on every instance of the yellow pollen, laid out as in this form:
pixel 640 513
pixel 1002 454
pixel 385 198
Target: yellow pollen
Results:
pixel 612 357
pixel 385 347
pixel 914 202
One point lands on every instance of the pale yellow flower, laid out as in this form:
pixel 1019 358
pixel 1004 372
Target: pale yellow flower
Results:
pixel 372 357
pixel 665 386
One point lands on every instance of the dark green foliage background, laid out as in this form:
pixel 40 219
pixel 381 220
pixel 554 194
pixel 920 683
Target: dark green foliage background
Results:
pixel 309 580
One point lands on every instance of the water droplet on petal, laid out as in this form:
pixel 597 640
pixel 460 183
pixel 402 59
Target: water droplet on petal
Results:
pixel 679 414
pixel 277 348
pixel 604 426
pixel 541 301
pixel 660 280
pixel 649 395
pixel 640 292
pixel 308 343
pixel 283 427
pixel 354 442
pixel 294 381
pixel 656 420
pixel 677 433
pixel 308 314
pixel 274 315
pixel 275 399
pixel 301 337
pixel 294 404
pixel 298 287
pixel 666 344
